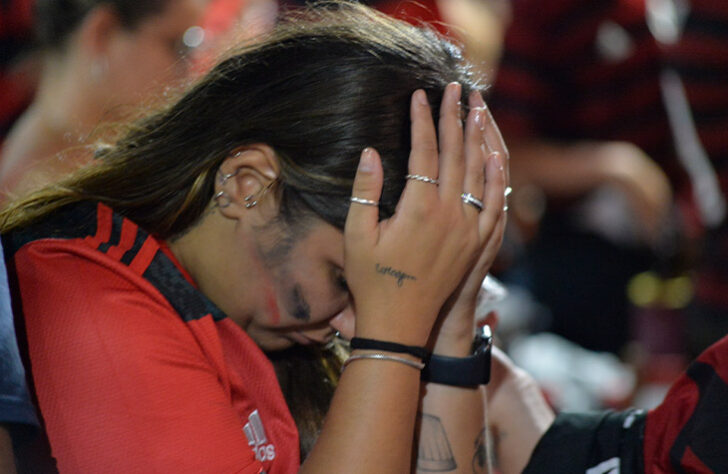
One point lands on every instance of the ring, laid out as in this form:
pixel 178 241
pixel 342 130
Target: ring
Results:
pixel 366 202
pixel 472 200
pixel 424 179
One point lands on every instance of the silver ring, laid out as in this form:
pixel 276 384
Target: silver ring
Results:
pixel 424 179
pixel 472 200
pixel 366 202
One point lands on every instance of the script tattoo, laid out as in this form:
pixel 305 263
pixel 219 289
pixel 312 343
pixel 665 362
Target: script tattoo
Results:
pixel 433 453
pixel 399 275
pixel 480 458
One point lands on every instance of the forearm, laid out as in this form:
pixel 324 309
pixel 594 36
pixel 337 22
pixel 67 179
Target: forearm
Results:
pixel 563 170
pixel 451 423
pixel 370 422
pixel 520 416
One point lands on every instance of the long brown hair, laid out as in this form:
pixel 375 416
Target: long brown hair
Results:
pixel 325 84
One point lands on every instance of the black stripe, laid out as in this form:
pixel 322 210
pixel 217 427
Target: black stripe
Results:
pixel 114 236
pixel 184 298
pixel 706 432
pixel 74 221
pixel 129 255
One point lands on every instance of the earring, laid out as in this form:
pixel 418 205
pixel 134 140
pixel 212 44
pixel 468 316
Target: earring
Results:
pixel 227 176
pixel 248 202
pixel 99 69
pixel 252 199
pixel 220 195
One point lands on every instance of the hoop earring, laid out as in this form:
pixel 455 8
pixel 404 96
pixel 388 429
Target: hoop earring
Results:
pixel 219 195
pixel 252 199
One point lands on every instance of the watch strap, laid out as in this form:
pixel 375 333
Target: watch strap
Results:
pixel 468 371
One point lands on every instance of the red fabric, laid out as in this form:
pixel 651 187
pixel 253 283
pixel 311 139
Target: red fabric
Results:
pixel 124 384
pixel 690 414
pixel 414 12
pixel 16 87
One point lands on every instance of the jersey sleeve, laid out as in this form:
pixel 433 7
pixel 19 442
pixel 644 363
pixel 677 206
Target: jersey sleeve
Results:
pixel 688 432
pixel 591 443
pixel 122 383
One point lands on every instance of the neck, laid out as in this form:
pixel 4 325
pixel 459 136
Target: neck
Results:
pixel 210 253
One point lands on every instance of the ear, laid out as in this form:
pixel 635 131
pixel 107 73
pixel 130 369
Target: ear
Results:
pixel 97 30
pixel 244 181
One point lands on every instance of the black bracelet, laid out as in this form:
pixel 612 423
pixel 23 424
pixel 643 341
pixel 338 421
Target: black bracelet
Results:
pixel 362 343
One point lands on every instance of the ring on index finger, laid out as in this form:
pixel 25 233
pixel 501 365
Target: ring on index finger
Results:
pixel 366 202
pixel 472 200
pixel 424 179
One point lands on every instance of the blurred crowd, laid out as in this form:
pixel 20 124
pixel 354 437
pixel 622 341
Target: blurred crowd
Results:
pixel 615 266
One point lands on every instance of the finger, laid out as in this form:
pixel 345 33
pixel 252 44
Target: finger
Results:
pixel 363 216
pixel 423 157
pixel 452 161
pixel 493 137
pixel 475 155
pixel 494 194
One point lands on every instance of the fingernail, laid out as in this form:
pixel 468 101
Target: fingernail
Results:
pixel 480 118
pixel 366 163
pixel 454 89
pixel 421 97
pixel 478 100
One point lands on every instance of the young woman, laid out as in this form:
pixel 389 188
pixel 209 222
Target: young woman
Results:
pixel 301 181
pixel 101 57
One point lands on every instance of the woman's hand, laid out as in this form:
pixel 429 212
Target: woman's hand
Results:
pixel 454 328
pixel 401 270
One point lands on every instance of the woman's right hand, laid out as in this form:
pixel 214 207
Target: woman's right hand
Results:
pixel 401 270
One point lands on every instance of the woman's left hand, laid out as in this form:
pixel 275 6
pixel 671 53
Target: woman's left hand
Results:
pixel 453 331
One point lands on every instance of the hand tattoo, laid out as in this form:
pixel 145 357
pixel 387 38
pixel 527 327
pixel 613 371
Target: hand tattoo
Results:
pixel 399 275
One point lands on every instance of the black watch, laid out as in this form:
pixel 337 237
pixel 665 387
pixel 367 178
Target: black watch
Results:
pixel 462 371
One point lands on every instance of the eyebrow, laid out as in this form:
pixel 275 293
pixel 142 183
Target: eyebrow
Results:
pixel 300 308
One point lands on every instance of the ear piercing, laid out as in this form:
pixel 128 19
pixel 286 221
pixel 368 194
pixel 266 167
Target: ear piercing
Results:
pixel 219 195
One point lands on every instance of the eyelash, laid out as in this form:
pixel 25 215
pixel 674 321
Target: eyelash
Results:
pixel 341 282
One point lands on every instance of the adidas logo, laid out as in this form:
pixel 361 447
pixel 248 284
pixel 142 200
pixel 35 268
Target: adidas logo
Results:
pixel 257 439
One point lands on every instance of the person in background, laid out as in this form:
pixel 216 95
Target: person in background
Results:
pixel 687 432
pixel 101 58
pixel 626 98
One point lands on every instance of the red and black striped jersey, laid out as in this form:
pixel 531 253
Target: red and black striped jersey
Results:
pixel 134 369
pixel 687 433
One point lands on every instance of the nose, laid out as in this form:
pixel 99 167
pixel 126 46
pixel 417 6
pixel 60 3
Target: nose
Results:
pixel 344 323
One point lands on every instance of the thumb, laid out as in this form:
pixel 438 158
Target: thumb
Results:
pixel 363 217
